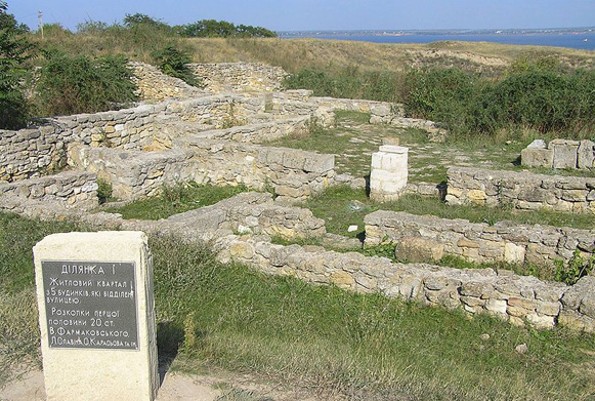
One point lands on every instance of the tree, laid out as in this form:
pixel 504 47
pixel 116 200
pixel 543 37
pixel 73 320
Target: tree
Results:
pixel 14 51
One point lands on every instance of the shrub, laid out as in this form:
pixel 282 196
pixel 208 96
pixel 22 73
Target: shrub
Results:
pixel 104 191
pixel 71 85
pixel 441 94
pixel 348 82
pixel 14 51
pixel 172 61
pixel 538 95
pixel 209 28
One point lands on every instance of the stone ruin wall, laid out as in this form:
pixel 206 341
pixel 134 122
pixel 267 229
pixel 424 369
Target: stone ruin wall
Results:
pixel 427 238
pixel 560 154
pixel 154 85
pixel 517 299
pixel 71 187
pixel 290 173
pixel 30 153
pixel 239 77
pixel 521 190
pixel 194 144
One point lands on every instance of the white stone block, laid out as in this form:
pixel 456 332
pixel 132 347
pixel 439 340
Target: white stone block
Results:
pixel 394 149
pixel 96 314
pixel 376 160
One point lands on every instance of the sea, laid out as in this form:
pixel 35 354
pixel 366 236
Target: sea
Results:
pixel 581 38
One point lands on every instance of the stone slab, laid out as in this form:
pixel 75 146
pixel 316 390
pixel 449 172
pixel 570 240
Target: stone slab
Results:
pixel 537 157
pixel 96 315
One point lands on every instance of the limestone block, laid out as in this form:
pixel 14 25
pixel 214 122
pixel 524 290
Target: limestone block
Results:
pixel 477 196
pixel 565 153
pixel 513 253
pixel 586 154
pixel 388 178
pixel 342 279
pixel 496 306
pixel 537 144
pixel 532 157
pixel 541 321
pixel 319 163
pixel 576 321
pixel 416 249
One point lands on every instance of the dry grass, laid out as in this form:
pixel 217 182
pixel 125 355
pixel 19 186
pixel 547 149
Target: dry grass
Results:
pixel 296 54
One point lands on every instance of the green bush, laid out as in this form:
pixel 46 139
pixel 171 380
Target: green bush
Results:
pixel 538 95
pixel 14 52
pixel 348 83
pixel 71 85
pixel 172 61
pixel 209 28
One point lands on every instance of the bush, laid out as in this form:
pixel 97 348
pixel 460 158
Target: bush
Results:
pixel 172 61
pixel 348 82
pixel 445 95
pixel 222 29
pixel 71 85
pixel 14 52
pixel 538 95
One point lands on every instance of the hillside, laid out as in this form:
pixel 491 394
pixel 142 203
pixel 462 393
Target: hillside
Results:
pixel 295 54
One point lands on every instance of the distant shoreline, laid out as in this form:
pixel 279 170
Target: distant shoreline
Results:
pixel 573 38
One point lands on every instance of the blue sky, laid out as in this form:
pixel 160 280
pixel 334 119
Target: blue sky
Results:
pixel 287 15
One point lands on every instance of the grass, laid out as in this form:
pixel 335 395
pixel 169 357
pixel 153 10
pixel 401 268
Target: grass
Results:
pixel 354 140
pixel 176 199
pixel 342 206
pixel 362 346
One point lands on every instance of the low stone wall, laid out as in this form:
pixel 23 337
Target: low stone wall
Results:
pixel 239 77
pixel 30 152
pixel 559 153
pixel 72 188
pixel 430 237
pixel 248 213
pixel 136 174
pixel 33 152
pixel 255 133
pixel 153 85
pixel 137 128
pixel 375 108
pixel 514 298
pixel 521 190
pixel 292 174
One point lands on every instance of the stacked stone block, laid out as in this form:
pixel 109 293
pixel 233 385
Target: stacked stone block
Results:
pixel 239 77
pixel 559 154
pixel 521 190
pixel 518 299
pixel 388 178
pixel 425 238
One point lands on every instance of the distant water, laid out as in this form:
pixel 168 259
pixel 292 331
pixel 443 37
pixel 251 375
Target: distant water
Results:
pixel 574 40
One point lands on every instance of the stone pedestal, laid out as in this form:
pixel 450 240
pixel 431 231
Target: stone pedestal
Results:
pixel 389 173
pixel 96 314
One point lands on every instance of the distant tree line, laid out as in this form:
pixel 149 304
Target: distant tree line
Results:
pixel 210 28
pixel 206 28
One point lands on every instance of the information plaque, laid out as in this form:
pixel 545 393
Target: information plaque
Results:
pixel 90 304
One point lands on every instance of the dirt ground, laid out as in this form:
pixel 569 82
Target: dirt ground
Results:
pixel 176 386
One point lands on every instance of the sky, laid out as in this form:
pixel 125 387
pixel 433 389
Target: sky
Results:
pixel 296 15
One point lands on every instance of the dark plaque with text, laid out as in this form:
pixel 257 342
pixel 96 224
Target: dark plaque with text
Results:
pixel 90 304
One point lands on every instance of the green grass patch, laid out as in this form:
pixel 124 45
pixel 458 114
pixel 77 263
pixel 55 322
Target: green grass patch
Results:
pixel 176 199
pixel 342 206
pixel 363 346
